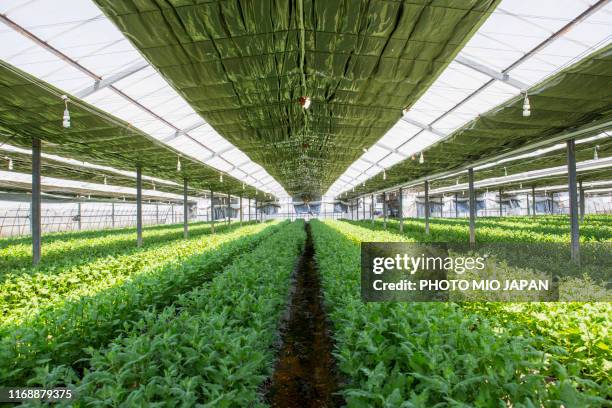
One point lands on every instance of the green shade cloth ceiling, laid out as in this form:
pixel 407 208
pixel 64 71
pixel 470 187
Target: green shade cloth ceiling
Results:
pixel 244 65
pixel 577 96
pixel 30 108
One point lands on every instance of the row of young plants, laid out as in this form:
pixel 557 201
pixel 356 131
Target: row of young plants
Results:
pixel 25 294
pixel 57 334
pixel 434 354
pixel 519 245
pixel 502 230
pixel 575 332
pixel 212 348
pixel 77 248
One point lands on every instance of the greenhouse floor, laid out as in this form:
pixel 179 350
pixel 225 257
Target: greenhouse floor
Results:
pixel 305 373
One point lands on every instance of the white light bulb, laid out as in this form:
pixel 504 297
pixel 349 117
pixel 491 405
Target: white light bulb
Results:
pixel 505 172
pixel 66 117
pixel 526 106
pixel 243 187
pixel 220 178
pixel 595 154
pixel 421 158
pixel 104 180
pixel 178 164
pixel 384 174
pixel 10 164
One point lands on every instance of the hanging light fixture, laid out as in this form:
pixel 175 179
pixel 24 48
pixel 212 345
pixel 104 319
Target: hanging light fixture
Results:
pixel 66 118
pixel 505 171
pixel 457 181
pixel 220 177
pixel 384 174
pixel 10 163
pixel 526 106
pixel 243 187
pixel 178 163
pixel 595 154
pixel 105 180
pixel 305 102
pixel 154 189
pixel 421 158
pixel 521 186
pixel 363 185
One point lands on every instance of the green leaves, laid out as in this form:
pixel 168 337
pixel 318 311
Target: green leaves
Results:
pixel 213 345
pixel 444 354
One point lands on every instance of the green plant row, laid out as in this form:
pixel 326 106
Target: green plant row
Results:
pixel 212 348
pixel 496 230
pixel 78 248
pixel 22 295
pixel 431 354
pixel 59 334
pixel 576 333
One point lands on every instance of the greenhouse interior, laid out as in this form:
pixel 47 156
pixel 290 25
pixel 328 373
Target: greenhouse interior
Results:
pixel 300 203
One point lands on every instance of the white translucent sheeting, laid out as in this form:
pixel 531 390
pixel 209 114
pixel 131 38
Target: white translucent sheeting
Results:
pixel 6 150
pixel 79 30
pixel 21 180
pixel 503 44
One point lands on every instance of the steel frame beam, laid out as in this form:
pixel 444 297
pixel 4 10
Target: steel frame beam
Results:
pixel 491 73
pixel 110 80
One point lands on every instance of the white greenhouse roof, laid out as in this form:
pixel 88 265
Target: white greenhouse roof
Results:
pixel 521 44
pixel 84 54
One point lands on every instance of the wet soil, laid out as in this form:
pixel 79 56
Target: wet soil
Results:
pixel 305 375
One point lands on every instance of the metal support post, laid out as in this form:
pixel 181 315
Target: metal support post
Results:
pixel 456 205
pixel 113 214
pixel 501 206
pixel 363 207
pixel 36 205
pixel 80 225
pixel 249 210
pixel 212 211
pixel 573 201
pixel 472 199
pixel 241 210
pixel 372 204
pixel 138 206
pixel 229 209
pixel 533 198
pixel 185 211
pixel 582 201
pixel 385 210
pixel 401 209
pixel 427 207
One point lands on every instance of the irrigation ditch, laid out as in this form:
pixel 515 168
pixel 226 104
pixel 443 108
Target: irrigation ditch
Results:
pixel 305 373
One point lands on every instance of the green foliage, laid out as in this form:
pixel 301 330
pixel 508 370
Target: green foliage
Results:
pixel 58 333
pixel 441 354
pixel 213 345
